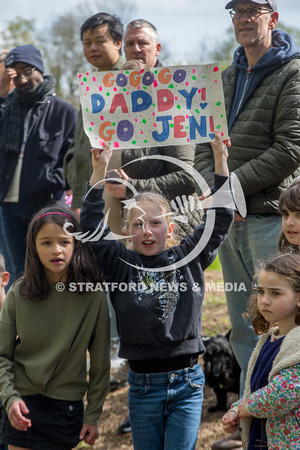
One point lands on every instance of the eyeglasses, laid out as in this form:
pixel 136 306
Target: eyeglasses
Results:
pixel 26 74
pixel 252 13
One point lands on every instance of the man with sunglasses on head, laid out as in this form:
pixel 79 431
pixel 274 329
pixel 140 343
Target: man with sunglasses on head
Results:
pixel 36 129
pixel 262 96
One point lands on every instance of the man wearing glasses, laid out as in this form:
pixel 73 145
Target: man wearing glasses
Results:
pixel 36 129
pixel 262 96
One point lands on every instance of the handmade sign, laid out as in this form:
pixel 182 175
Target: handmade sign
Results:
pixel 157 106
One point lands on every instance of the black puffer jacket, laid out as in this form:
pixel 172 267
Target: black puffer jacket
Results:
pixel 265 151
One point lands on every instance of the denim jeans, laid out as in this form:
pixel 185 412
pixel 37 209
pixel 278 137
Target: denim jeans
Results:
pixel 248 243
pixel 15 232
pixel 165 408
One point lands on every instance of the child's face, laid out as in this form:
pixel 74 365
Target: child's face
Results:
pixel 291 226
pixel 277 301
pixel 148 229
pixel 55 250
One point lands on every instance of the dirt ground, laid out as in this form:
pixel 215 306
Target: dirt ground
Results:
pixel 215 320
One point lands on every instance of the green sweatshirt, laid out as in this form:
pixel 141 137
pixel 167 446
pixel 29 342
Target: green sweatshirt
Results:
pixel 43 348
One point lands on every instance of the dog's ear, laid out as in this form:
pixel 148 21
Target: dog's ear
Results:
pixel 218 344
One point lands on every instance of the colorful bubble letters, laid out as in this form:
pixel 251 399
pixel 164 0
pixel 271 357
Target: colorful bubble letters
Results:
pixel 158 106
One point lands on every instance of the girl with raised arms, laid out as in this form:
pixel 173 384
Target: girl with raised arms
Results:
pixel 159 315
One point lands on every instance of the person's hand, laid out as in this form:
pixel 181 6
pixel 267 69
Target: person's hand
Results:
pixel 6 81
pixel 230 421
pixel 243 411
pixel 117 190
pixel 221 154
pixel 219 146
pixel 100 160
pixel 238 218
pixel 89 433
pixel 16 415
pixel 101 156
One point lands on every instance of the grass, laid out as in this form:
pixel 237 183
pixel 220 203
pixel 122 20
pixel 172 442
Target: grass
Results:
pixel 216 265
pixel 215 318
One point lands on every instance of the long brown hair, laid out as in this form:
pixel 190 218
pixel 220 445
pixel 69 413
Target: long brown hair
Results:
pixel 83 267
pixel 286 265
pixel 289 200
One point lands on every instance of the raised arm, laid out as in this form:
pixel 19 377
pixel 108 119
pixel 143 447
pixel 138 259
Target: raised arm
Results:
pixel 221 154
pixel 100 160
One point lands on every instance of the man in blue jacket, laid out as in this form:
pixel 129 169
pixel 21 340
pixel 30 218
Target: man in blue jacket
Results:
pixel 36 129
pixel 262 96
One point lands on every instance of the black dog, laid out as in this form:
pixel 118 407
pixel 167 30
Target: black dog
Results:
pixel 221 370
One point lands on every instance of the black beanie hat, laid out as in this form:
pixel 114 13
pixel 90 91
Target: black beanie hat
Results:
pixel 28 54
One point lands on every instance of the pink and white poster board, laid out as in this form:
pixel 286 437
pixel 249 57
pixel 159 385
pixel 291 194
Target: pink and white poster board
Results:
pixel 158 106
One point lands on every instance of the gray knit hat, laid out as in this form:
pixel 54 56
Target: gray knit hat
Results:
pixel 27 54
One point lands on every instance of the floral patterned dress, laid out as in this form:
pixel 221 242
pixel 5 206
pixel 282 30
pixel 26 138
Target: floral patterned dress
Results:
pixel 278 401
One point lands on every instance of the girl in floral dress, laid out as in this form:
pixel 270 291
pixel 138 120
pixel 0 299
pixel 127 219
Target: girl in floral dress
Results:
pixel 269 413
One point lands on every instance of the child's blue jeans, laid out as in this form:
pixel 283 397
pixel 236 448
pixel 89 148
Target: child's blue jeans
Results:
pixel 165 408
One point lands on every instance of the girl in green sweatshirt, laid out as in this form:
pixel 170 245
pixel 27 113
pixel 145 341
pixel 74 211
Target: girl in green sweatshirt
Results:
pixel 50 319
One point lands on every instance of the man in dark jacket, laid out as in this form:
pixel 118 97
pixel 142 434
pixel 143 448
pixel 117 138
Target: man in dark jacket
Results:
pixel 262 96
pixel 36 129
pixel 3 246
